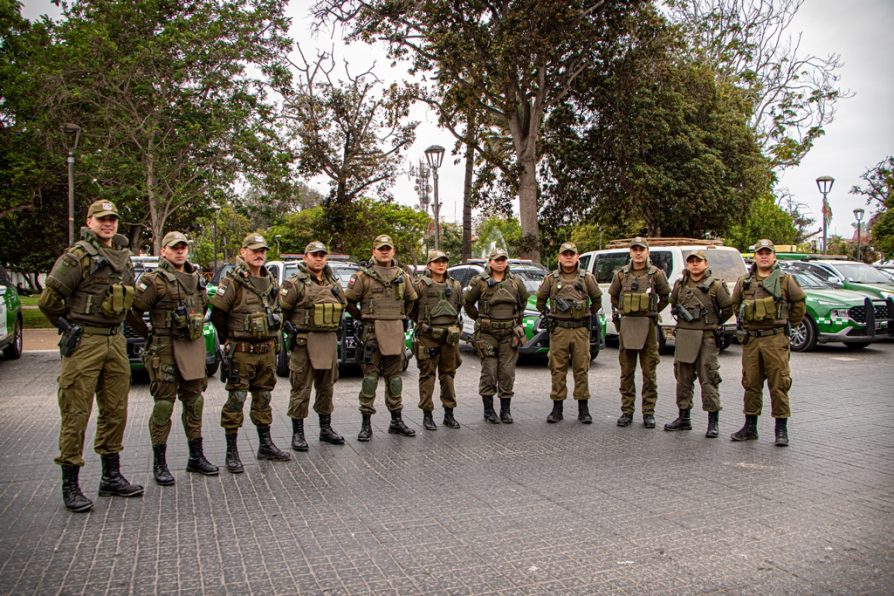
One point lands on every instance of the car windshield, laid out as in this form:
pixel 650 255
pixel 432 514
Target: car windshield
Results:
pixel 531 276
pixel 809 281
pixel 725 264
pixel 343 270
pixel 861 273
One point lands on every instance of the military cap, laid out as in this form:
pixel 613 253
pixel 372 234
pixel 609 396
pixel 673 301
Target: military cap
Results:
pixel 315 246
pixel 698 254
pixel 436 255
pixel 497 253
pixel 173 238
pixel 639 241
pixel 568 247
pixel 102 209
pixel 764 244
pixel 254 241
pixel 383 240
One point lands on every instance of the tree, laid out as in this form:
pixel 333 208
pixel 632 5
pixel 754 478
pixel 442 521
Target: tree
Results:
pixel 878 190
pixel 353 131
pixel 170 98
pixel 765 219
pixel 516 59
pixel 497 231
pixel 752 45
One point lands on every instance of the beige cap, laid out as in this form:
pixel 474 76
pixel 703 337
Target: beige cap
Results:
pixel 639 241
pixel 764 244
pixel 436 255
pixel 102 209
pixel 383 240
pixel 254 241
pixel 698 254
pixel 497 253
pixel 315 246
pixel 174 238
pixel 568 247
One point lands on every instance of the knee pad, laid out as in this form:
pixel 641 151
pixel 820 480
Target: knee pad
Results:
pixel 262 399
pixel 395 385
pixel 235 401
pixel 368 386
pixel 161 413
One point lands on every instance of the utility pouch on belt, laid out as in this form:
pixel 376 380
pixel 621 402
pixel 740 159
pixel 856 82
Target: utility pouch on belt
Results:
pixel 70 339
pixel 256 324
pixel 327 316
pixel 453 333
pixel 118 300
pixel 518 336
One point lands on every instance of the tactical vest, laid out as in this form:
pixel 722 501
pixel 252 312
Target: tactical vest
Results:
pixel 321 304
pixel 636 300
pixel 386 294
pixel 256 296
pixel 759 307
pixel 179 310
pixel 698 301
pixel 101 267
pixel 439 303
pixel 569 300
pixel 499 300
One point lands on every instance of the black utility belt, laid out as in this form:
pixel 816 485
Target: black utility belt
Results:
pixel 570 324
pixel 95 330
pixel 766 332
pixel 254 348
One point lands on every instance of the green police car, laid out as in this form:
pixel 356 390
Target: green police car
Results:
pixel 837 315
pixel 11 324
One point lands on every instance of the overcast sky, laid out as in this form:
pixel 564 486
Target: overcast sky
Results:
pixel 861 135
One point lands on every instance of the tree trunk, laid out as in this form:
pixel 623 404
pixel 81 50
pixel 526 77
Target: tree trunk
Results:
pixel 467 187
pixel 527 206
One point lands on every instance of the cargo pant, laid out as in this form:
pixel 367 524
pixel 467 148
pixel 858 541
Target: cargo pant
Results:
pixel 436 357
pixel 374 365
pixel 498 358
pixel 569 346
pixel 257 374
pixel 303 377
pixel 166 385
pixel 98 367
pixel 766 358
pixel 648 361
pixel 706 369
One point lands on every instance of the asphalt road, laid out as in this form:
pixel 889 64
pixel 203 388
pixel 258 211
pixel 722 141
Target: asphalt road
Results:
pixel 527 508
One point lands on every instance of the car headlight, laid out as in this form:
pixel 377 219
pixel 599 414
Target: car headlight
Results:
pixel 839 313
pixel 828 303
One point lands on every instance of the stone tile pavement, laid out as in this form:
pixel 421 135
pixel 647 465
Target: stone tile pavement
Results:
pixel 527 508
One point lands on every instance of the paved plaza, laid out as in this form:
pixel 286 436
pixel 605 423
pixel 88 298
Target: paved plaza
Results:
pixel 524 508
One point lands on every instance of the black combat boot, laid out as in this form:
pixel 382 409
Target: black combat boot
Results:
pixel 583 411
pixel 747 432
pixel 782 432
pixel 556 414
pixel 649 420
pixel 366 431
pixel 234 464
pixel 683 421
pixel 327 435
pixel 160 466
pixel 197 462
pixel 625 420
pixel 713 432
pixel 266 448
pixel 428 421
pixel 489 414
pixel 449 420
pixel 112 483
pixel 72 496
pixel 298 441
pixel 397 426
pixel 505 413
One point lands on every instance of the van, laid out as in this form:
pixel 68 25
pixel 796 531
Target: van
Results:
pixel 670 255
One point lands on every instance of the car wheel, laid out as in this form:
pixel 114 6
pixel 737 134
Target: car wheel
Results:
pixel 803 337
pixel 14 350
pixel 211 369
pixel 223 371
pixel 594 351
pixel 282 362
pixel 856 345
pixel 725 341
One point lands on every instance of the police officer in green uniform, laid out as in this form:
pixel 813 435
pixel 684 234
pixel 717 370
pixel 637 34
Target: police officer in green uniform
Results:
pixel 495 299
pixel 436 345
pixel 174 296
pixel 639 291
pixel 574 299
pixel 87 295
pixel 247 317
pixel 768 304
pixel 700 303
pixel 379 295
pixel 312 303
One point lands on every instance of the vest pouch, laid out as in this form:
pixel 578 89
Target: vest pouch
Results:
pixel 748 310
pixel 326 316
pixel 768 305
pixel 453 334
pixel 578 309
pixel 256 325
pixel 438 333
pixel 196 325
pixel 443 309
pixel 630 303
pixel 118 300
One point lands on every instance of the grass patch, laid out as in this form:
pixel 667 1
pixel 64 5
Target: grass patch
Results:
pixel 34 319
pixel 29 300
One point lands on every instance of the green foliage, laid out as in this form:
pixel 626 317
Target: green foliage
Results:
pixel 228 228
pixel 451 243
pixel 765 219
pixel 497 232
pixel 878 190
pixel 299 229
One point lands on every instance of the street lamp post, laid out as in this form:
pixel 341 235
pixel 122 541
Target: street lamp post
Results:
pixel 435 156
pixel 858 214
pixel 71 132
pixel 824 184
